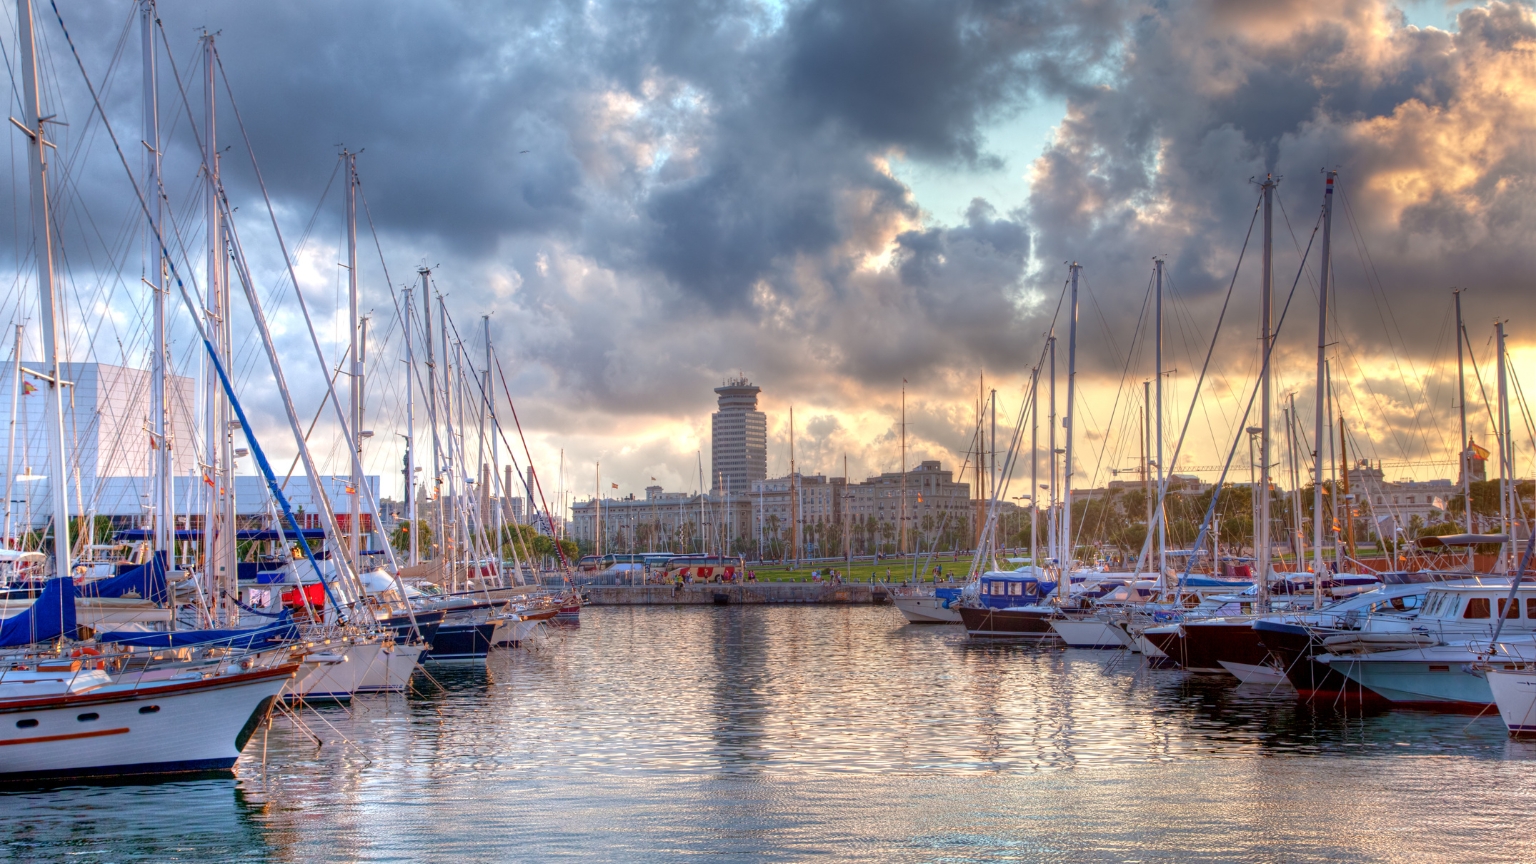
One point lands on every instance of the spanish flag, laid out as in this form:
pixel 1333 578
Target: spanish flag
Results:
pixel 1481 453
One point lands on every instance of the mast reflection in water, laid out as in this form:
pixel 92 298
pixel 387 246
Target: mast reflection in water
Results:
pixel 785 733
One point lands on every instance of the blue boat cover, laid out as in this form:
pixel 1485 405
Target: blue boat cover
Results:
pixel 146 581
pixel 279 631
pixel 50 616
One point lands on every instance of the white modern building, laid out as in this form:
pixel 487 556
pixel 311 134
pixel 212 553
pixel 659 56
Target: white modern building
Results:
pixel 107 430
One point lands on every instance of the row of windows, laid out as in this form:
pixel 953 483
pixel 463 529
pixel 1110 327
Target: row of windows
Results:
pixel 1479 607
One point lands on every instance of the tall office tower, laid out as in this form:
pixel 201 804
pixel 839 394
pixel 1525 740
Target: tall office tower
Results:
pixel 739 450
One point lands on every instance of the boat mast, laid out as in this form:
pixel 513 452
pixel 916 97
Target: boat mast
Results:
pixel 451 499
pixel 1146 443
pixel 501 498
pixel 1052 537
pixel 1506 458
pixel 1293 454
pixel 1067 422
pixel 1333 487
pixel 410 434
pixel 42 247
pixel 220 551
pixel 1266 304
pixel 1465 445
pixel 993 478
pixel 1034 471
pixel 355 360
pixel 1349 499
pixel 1318 406
pixel 162 498
pixel 794 491
pixel 10 447
pixel 437 450
pixel 901 517
pixel 1157 422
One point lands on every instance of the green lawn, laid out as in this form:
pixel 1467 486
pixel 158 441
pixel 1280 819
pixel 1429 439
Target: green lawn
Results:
pixel 900 569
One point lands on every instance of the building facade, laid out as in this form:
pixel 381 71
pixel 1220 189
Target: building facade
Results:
pixel 738 438
pixel 107 423
pixel 761 522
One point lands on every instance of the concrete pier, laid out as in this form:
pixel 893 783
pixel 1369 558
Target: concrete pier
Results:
pixel 751 593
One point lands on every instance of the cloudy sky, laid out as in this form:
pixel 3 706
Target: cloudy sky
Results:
pixel 832 197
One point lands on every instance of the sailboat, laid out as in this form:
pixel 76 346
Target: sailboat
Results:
pixel 65 714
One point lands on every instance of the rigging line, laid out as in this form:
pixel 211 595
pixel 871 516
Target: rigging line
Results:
pixel 1478 374
pixel 1162 492
pixel 1119 392
pixel 233 237
pixel 1385 311
pixel 318 411
pixel 1018 429
pixel 187 300
pixel 1525 410
pixel 1269 352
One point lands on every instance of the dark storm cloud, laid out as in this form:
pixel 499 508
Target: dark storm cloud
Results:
pixel 1420 123
pixel 704 187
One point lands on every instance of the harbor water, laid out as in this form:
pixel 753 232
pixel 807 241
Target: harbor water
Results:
pixel 788 733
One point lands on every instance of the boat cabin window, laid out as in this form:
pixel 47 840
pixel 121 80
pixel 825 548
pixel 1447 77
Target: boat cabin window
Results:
pixel 1431 603
pixel 1397 604
pixel 1530 608
pixel 1477 607
pixel 1514 608
pixel 1015 589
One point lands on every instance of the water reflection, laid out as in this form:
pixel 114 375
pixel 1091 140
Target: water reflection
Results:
pixel 791 732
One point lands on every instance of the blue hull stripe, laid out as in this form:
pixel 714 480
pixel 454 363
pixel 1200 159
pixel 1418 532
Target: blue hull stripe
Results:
pixel 141 768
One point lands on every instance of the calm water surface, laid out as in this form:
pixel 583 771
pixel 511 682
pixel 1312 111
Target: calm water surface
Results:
pixel 790 733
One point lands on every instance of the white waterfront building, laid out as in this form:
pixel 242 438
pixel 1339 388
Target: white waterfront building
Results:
pixel 107 428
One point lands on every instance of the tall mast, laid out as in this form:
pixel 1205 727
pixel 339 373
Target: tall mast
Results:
pixel 1067 421
pixel 410 434
pixel 597 505
pixel 1333 487
pixel 992 474
pixel 1052 550
pixel 501 499
pixel 1290 442
pixel 440 526
pixel 42 248
pixel 1506 458
pixel 1157 423
pixel 10 446
pixel 1322 392
pixel 1349 504
pixel 355 378
pixel 1465 444
pixel 220 551
pixel 1266 304
pixel 1146 469
pixel 451 547
pixel 164 538
pixel 902 511
pixel 794 493
pixel 1034 470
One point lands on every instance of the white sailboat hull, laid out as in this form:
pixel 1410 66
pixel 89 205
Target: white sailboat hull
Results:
pixel 340 672
pixel 1514 692
pixel 926 610
pixel 176 726
pixel 392 670
pixel 1250 674
pixel 1088 633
